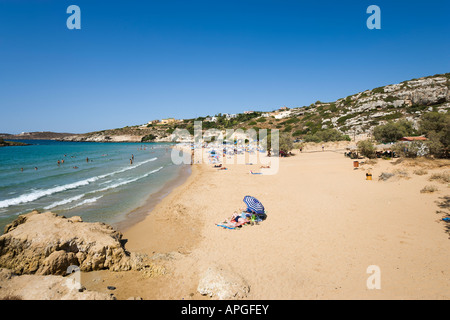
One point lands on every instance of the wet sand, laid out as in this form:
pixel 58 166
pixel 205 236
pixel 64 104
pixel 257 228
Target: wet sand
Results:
pixel 139 214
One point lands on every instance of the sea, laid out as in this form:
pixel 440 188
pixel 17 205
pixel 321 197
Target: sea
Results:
pixel 96 181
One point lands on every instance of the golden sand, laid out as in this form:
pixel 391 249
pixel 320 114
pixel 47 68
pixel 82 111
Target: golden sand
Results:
pixel 326 226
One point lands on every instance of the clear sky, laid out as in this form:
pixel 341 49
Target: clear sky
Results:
pixel 134 61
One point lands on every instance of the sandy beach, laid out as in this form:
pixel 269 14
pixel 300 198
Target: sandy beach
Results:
pixel 326 224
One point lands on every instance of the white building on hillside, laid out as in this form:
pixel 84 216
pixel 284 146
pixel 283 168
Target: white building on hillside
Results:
pixel 282 115
pixel 230 116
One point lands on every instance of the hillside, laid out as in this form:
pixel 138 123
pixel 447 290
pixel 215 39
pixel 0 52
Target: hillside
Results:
pixel 38 135
pixel 354 116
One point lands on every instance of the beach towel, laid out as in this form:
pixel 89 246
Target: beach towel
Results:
pixel 238 220
pixel 224 226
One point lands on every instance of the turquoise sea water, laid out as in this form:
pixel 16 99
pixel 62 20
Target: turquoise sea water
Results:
pixel 96 180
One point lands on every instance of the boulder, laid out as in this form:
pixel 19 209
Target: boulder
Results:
pixel 219 283
pixel 34 287
pixel 48 244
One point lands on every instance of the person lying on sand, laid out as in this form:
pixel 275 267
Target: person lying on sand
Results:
pixel 217 165
pixel 265 167
pixel 236 220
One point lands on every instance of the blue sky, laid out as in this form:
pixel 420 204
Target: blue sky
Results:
pixel 134 61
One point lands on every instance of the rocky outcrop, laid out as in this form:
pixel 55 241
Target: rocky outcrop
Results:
pixel 104 138
pixel 48 244
pixel 33 287
pixel 222 284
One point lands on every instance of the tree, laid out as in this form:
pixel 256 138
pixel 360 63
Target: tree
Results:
pixel 285 143
pixel 436 127
pixel 392 131
pixel 366 149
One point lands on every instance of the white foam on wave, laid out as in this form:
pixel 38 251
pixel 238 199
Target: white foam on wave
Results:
pixel 65 201
pixel 118 184
pixel 42 193
pixel 127 168
pixel 36 194
pixel 87 201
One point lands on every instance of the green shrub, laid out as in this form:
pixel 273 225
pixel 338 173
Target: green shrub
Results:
pixel 326 136
pixel 291 121
pixel 311 138
pixel 342 119
pixel 149 137
pixel 378 90
pixel 436 127
pixel 366 149
pixel 389 99
pixel 392 116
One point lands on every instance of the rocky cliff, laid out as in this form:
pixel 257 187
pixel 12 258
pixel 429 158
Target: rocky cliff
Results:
pixel 39 251
pixel 361 112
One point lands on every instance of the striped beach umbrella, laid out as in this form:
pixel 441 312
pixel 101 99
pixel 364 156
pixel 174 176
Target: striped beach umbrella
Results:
pixel 254 205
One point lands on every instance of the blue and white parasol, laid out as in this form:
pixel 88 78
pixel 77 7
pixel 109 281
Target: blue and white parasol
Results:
pixel 254 205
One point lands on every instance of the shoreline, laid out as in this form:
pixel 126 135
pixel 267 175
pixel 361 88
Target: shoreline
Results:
pixel 158 230
pixel 139 214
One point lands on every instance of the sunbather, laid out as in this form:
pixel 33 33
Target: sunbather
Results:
pixel 236 220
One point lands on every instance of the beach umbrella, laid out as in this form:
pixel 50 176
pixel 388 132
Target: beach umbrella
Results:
pixel 254 205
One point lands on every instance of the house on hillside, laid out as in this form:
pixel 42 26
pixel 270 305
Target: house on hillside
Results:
pixel 282 114
pixel 168 121
pixel 230 116
pixel 410 139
